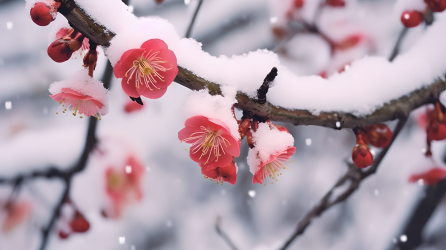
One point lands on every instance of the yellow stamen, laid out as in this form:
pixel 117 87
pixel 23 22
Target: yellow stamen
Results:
pixel 145 69
pixel 208 141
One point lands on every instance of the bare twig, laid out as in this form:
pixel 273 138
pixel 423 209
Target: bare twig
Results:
pixel 396 48
pixel 355 175
pixel 420 216
pixel 191 25
pixel 223 235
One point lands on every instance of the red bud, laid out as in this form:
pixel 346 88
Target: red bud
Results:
pixel 63 235
pixel 43 14
pixel 249 139
pixel 59 51
pixel 79 224
pixel 436 5
pixel 361 153
pixel 336 3
pixel 378 135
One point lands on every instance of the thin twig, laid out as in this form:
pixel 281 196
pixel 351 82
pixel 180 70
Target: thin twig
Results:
pixel 396 48
pixel 420 216
pixel 54 216
pixel 223 234
pixel 67 175
pixel 189 29
pixel 355 175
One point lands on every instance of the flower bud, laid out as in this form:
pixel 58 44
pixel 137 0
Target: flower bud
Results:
pixel 249 139
pixel 436 5
pixel 43 14
pixel 62 49
pixel 79 224
pixel 335 3
pixel 361 153
pixel 59 51
pixel 63 235
pixel 436 131
pixel 244 126
pixel 90 60
pixel 378 135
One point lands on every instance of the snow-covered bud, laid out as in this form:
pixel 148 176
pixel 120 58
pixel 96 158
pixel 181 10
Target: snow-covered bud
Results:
pixel 84 94
pixel 361 153
pixel 279 127
pixel 43 14
pixel 272 149
pixel 378 135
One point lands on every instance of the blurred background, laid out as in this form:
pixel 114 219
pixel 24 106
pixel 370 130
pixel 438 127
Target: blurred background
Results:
pixel 179 207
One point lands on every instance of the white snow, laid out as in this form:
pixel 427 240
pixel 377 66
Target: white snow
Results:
pixel 267 141
pixel 82 83
pixel 367 85
pixel 217 107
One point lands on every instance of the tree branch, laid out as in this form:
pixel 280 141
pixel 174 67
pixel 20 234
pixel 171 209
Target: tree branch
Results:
pixel 421 215
pixel 397 108
pixel 355 176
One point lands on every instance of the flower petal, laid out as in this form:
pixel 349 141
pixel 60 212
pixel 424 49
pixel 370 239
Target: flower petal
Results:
pixel 154 44
pixel 126 62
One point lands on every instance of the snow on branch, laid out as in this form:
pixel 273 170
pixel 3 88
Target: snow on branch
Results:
pixel 339 102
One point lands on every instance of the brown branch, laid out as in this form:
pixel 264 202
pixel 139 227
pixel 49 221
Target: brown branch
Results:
pixel 355 176
pixel 395 109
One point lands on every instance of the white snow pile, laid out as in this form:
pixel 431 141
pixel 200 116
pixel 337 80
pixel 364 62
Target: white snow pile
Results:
pixel 82 83
pixel 367 85
pixel 216 107
pixel 268 141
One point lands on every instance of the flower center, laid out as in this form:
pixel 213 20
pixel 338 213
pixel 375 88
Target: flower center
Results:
pixel 209 142
pixel 272 170
pixel 218 180
pixel 76 108
pixel 115 181
pixel 146 70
